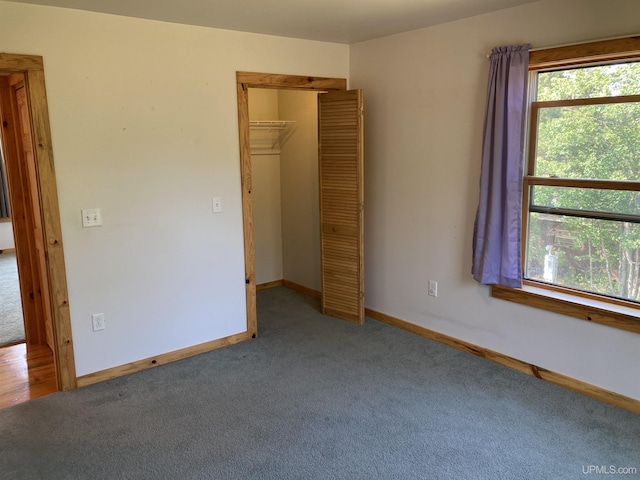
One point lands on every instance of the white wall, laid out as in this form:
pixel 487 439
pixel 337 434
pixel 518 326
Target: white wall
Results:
pixel 6 228
pixel 144 125
pixel 267 207
pixel 6 235
pixel 300 201
pixel 424 102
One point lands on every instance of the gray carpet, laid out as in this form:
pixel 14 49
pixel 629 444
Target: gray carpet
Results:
pixel 11 324
pixel 318 398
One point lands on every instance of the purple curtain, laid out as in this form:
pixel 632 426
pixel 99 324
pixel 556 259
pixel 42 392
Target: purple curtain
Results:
pixel 497 250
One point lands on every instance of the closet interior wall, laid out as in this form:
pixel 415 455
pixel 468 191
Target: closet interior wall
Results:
pixel 285 190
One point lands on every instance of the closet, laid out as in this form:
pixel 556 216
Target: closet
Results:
pixel 284 168
pixel 331 179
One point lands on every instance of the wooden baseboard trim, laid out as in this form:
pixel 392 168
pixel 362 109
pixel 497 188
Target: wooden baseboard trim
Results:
pixel 163 359
pixel 593 391
pixel 265 286
pixel 302 289
pixel 7 250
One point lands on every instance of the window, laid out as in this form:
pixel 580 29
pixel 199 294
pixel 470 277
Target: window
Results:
pixel 583 180
pixel 581 205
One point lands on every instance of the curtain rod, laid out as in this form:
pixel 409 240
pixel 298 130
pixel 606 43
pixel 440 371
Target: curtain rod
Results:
pixel 577 43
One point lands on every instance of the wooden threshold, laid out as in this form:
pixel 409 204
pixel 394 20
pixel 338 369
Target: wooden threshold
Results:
pixel 592 391
pixel 25 376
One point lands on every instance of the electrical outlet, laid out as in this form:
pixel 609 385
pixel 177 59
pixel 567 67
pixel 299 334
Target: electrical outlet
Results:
pixel 97 319
pixel 91 217
pixel 433 288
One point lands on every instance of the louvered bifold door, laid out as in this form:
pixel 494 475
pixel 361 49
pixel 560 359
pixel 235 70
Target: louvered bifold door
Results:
pixel 340 145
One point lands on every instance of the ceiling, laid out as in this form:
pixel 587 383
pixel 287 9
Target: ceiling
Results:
pixel 339 21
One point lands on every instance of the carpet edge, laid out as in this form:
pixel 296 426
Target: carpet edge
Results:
pixel 564 381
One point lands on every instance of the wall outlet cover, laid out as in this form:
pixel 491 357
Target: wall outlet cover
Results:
pixel 97 320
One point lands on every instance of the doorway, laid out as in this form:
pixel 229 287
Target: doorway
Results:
pixel 26 142
pixel 284 160
pixel 11 320
pixel 340 185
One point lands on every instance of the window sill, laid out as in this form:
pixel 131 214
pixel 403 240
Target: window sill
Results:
pixel 588 309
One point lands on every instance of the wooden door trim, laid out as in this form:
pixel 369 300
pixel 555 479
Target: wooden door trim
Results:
pixel 244 81
pixel 12 63
pixel 32 67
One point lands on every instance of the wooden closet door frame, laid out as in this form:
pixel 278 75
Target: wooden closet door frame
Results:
pixel 32 67
pixel 244 81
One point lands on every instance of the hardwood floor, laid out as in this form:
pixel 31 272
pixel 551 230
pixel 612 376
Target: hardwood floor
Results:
pixel 25 376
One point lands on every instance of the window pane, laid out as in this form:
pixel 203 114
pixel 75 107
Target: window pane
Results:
pixel 589 141
pixel 598 256
pixel 590 82
pixel 587 199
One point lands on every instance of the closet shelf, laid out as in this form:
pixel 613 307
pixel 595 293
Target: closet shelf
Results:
pixel 267 136
pixel 271 123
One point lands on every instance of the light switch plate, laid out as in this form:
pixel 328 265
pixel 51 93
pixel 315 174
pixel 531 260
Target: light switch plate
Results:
pixel 217 204
pixel 91 217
